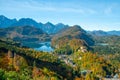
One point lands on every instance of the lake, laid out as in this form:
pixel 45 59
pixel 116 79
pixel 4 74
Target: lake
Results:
pixel 45 47
pixel 102 44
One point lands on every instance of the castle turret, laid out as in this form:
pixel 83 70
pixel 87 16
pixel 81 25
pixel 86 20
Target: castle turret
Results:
pixel 10 54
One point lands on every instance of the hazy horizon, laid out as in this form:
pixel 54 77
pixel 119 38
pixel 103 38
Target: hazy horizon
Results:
pixel 90 15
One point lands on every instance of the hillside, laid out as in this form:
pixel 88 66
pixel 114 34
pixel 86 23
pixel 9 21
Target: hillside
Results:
pixel 72 36
pixel 24 34
pixel 27 64
pixel 106 44
pixel 74 32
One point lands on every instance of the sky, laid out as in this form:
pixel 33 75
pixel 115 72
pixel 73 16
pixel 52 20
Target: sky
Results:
pixel 89 14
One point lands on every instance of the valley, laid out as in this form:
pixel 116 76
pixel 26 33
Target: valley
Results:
pixel 31 50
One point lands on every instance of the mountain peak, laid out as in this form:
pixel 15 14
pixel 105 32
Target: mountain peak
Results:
pixel 77 26
pixel 2 17
pixel 48 23
pixel 60 24
pixel 26 19
pixel 6 22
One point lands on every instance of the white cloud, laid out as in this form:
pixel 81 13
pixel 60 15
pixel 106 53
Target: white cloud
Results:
pixel 39 6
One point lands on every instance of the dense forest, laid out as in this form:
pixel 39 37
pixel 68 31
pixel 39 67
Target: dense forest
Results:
pixel 21 63
pixel 107 44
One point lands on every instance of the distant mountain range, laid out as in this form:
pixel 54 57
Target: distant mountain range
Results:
pixel 104 33
pixel 47 27
pixel 27 31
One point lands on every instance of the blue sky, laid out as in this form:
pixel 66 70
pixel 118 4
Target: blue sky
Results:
pixel 89 14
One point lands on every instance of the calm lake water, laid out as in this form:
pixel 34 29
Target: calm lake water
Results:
pixel 45 47
pixel 102 44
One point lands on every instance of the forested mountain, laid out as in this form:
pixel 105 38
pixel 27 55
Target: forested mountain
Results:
pixel 71 40
pixel 24 34
pixel 47 27
pixel 74 32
